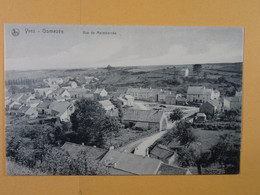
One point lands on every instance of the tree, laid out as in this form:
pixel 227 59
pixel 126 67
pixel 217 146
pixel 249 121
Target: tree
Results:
pixel 58 162
pixel 109 67
pixel 190 153
pixel 118 105
pixel 231 115
pixel 197 69
pixel 193 155
pixel 176 114
pixel 90 123
pixel 183 133
pixel 205 75
pixel 227 153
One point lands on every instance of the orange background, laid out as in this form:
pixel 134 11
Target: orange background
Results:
pixel 244 13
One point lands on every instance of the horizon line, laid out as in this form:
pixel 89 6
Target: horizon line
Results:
pixel 95 67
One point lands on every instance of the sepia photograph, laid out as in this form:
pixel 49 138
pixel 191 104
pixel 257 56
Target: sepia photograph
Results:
pixel 122 100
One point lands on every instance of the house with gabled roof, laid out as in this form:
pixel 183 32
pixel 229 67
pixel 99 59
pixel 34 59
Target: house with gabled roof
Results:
pixel 200 117
pixel 171 99
pixel 150 118
pixel 107 105
pixel 167 97
pixel 122 163
pixel 34 102
pixel 22 110
pixel 201 94
pixel 232 103
pixel 172 170
pixel 78 92
pixel 88 79
pixel 92 152
pixel 69 85
pixel 100 93
pixel 25 99
pixel 17 97
pixel 211 107
pixel 147 94
pixel 43 92
pixel 59 94
pixel 31 113
pixel 126 100
pixel 62 110
pixel 14 105
pixel 44 107
pixel 163 153
pixel 53 82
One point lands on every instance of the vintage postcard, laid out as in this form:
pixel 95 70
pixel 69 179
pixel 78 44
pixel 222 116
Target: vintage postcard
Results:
pixel 122 100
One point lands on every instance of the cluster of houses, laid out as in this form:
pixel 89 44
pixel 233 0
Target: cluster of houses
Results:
pixel 59 95
pixel 208 99
pixel 155 95
pixel 56 100
pixel 211 102
pixel 123 163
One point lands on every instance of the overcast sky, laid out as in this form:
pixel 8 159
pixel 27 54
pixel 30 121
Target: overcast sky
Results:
pixel 130 46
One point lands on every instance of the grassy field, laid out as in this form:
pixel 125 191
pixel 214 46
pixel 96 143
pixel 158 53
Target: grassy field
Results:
pixel 208 138
pixel 145 76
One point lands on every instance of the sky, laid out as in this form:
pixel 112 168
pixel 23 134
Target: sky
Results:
pixel 35 49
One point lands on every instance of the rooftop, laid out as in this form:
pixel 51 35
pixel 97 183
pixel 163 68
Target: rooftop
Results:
pixel 233 99
pixel 44 104
pixel 213 102
pixel 143 90
pixel 171 170
pixel 106 103
pixel 59 107
pixel 162 152
pixel 131 163
pixel 198 90
pixel 98 90
pixel 31 111
pixel 143 115
pixel 75 149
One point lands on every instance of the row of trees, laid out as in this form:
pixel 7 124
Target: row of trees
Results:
pixel 22 81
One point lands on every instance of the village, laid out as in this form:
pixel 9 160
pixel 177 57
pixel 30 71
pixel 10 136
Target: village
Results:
pixel 145 115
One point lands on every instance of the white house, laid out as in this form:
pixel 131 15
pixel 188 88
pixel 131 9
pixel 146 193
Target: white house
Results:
pixel 100 92
pixel 201 94
pixel 127 100
pixel 232 103
pixel 42 92
pixel 107 105
pixel 60 93
pixel 53 82
pixel 62 110
pixel 146 119
pixel 69 85
pixel 25 99
pixel 34 102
